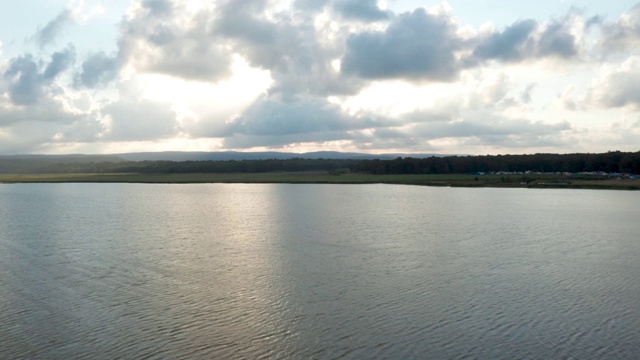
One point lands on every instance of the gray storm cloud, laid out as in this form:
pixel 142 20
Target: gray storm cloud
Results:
pixel 415 46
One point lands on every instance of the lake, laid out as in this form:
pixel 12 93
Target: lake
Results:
pixel 317 271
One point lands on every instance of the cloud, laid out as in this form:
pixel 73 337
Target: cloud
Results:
pixel 25 80
pixel 593 21
pixel 498 93
pixel 509 45
pixel 618 86
pixel 310 6
pixel 277 117
pixel 47 110
pixel 389 139
pixel 295 51
pixel 53 119
pixel 36 132
pixel 24 137
pixel 366 10
pixel 556 40
pixel 264 43
pixel 526 40
pixel 490 94
pixel 415 46
pixel 495 131
pixel 48 34
pixel 622 35
pixel 158 7
pixel 242 20
pixel 62 117
pixel 567 100
pixel 27 83
pixel 332 72
pixel 139 119
pixel 525 97
pixel 273 121
pixel 155 39
pixel 359 10
pixel 485 130
pixel 60 61
pixel 97 69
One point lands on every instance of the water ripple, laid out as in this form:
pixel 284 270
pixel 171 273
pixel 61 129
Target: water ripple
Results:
pixel 316 271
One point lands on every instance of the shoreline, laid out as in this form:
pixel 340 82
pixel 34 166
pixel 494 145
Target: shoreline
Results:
pixel 447 180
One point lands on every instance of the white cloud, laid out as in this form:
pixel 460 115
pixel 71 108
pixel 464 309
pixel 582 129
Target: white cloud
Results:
pixel 162 37
pixel 567 98
pixel 622 35
pixel 312 74
pixel 617 86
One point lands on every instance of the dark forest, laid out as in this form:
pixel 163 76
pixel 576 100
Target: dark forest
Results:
pixel 610 162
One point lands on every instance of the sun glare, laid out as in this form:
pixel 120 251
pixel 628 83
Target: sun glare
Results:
pixel 195 98
pixel 394 98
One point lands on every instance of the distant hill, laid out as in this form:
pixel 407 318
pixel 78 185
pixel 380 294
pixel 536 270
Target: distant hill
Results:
pixel 236 155
pixel 612 162
pixel 206 156
pixel 18 164
pixel 76 158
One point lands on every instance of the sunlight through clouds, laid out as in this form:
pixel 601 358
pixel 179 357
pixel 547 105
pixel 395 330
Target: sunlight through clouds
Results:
pixel 371 76
pixel 243 86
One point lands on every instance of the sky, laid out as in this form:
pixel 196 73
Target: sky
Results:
pixel 395 76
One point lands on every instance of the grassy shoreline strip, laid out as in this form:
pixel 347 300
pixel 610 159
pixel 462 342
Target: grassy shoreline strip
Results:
pixel 454 180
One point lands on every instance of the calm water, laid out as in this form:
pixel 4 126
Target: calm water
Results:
pixel 317 271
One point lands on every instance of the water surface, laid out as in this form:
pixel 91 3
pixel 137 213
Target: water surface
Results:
pixel 317 271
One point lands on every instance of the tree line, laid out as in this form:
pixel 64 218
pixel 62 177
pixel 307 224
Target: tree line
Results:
pixel 610 162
